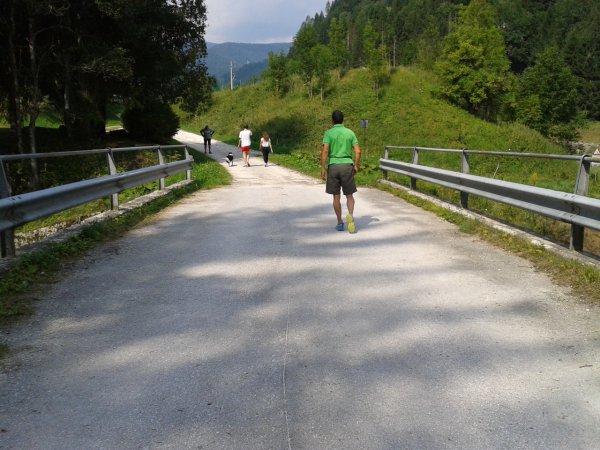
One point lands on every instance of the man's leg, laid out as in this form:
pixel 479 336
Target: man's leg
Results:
pixel 350 215
pixel 350 204
pixel 337 208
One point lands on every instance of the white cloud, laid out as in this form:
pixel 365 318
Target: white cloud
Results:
pixel 258 21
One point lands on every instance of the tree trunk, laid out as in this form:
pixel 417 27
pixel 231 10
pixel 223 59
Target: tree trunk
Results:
pixel 34 106
pixel 16 87
pixel 67 112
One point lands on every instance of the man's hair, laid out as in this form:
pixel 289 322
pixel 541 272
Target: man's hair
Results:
pixel 245 127
pixel 337 117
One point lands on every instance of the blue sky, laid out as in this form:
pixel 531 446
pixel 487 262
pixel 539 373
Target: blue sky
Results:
pixel 257 21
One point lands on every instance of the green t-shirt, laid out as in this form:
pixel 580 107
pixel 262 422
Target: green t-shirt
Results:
pixel 341 142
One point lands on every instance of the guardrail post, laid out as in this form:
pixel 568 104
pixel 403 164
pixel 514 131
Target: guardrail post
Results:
pixel 465 168
pixel 386 155
pixel 112 169
pixel 581 188
pixel 188 173
pixel 161 161
pixel 7 237
pixel 415 160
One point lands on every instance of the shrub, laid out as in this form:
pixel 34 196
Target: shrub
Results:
pixel 154 120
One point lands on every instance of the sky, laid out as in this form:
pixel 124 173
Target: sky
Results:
pixel 257 21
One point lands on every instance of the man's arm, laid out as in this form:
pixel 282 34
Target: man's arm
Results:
pixel 324 157
pixel 356 157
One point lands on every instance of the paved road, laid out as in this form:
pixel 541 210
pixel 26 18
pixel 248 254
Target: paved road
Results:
pixel 240 319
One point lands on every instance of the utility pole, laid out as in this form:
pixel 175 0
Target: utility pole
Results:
pixel 231 75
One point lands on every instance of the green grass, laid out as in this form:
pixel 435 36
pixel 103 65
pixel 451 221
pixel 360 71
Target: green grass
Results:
pixel 591 133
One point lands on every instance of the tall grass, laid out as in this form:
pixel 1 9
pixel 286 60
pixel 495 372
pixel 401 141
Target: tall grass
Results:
pixel 591 132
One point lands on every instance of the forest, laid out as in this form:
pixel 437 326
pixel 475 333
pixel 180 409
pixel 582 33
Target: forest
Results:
pixel 78 57
pixel 536 62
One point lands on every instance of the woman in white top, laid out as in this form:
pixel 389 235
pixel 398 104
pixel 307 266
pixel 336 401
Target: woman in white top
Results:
pixel 266 147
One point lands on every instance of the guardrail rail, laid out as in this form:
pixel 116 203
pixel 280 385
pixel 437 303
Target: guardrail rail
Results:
pixel 576 208
pixel 16 210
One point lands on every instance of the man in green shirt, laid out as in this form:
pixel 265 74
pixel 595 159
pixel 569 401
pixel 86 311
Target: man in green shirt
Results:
pixel 338 167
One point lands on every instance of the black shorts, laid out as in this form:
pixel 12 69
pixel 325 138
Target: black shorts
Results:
pixel 340 176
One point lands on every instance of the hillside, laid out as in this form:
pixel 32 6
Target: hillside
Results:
pixel 249 60
pixel 408 113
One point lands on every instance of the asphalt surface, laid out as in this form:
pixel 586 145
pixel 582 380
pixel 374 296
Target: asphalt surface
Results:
pixel 240 319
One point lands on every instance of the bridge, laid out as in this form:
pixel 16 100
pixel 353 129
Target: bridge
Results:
pixel 240 319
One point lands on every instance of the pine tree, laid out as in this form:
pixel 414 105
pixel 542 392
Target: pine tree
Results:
pixel 548 99
pixel 337 45
pixel 474 68
pixel 375 57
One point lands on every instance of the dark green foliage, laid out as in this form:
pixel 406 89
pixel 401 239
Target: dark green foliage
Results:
pixel 155 121
pixel 77 56
pixel 548 98
pixel 375 57
pixel 581 49
pixel 278 74
pixel 337 43
pixel 473 67
pixel 304 65
pixel 412 31
pixel 323 59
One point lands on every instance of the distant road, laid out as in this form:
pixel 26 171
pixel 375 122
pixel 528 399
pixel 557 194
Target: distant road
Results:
pixel 240 319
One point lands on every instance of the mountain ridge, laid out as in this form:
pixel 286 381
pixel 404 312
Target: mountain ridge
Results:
pixel 249 59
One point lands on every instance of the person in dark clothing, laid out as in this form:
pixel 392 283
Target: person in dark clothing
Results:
pixel 207 133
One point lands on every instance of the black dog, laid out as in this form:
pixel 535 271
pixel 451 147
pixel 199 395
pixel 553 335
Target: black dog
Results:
pixel 229 159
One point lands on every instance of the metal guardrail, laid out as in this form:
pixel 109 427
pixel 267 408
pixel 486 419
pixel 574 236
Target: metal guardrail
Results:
pixel 576 208
pixel 16 210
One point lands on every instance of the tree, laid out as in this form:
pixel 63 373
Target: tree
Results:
pixel 304 65
pixel 29 29
pixel 429 44
pixel 78 55
pixel 337 45
pixel 375 56
pixel 473 67
pixel 323 60
pixel 548 98
pixel 277 73
pixel 581 48
pixel 521 26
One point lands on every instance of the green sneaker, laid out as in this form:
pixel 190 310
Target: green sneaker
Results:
pixel 351 224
